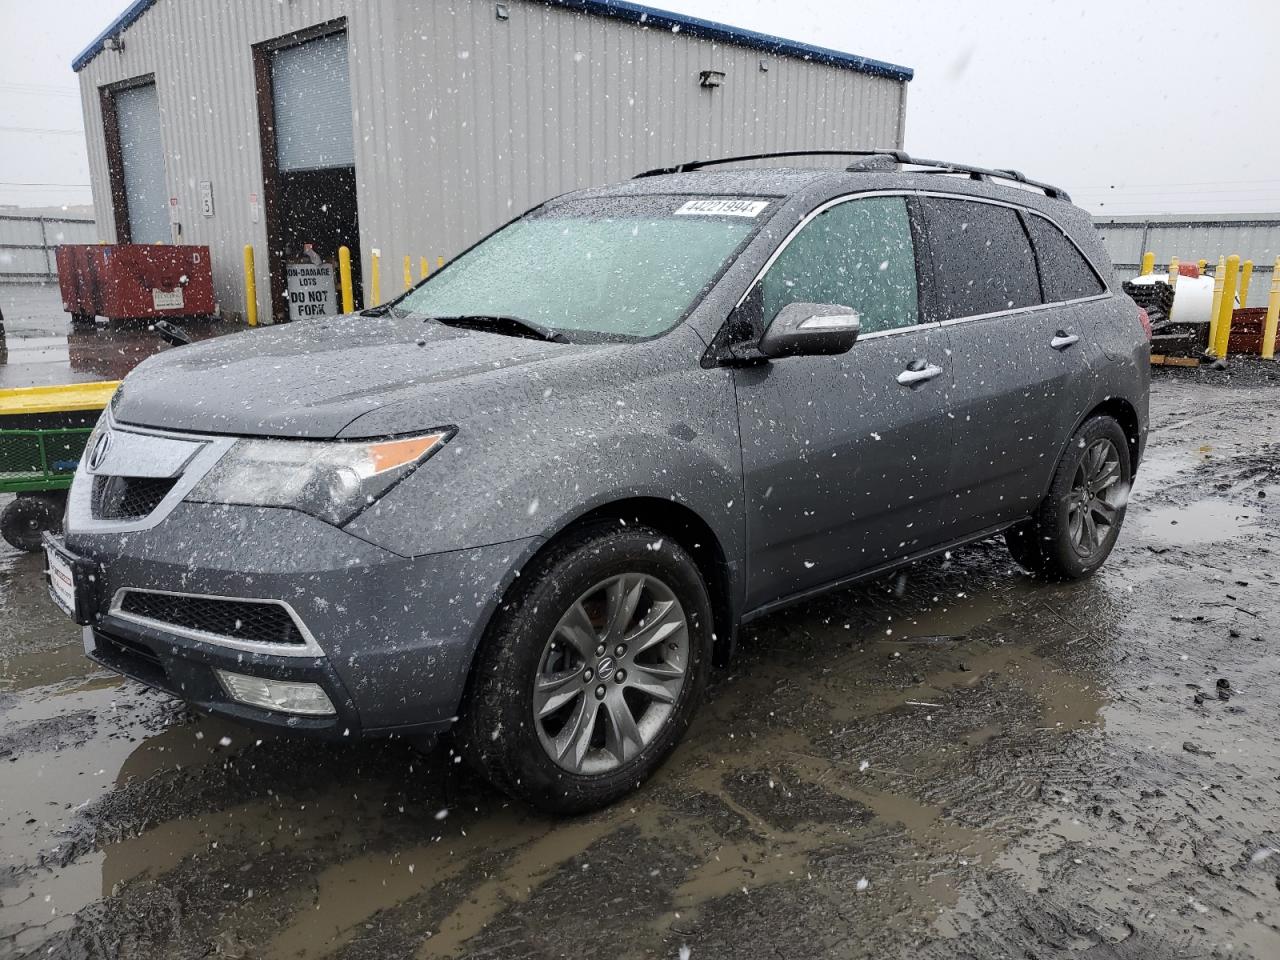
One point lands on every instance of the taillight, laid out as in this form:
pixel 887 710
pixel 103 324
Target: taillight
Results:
pixel 1145 321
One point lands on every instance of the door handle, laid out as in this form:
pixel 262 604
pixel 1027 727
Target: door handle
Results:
pixel 912 377
pixel 1061 340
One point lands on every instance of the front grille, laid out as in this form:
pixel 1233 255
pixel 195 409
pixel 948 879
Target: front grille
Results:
pixel 128 498
pixel 252 620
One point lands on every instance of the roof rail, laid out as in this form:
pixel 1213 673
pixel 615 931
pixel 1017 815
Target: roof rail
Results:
pixel 897 156
pixel 982 173
pixel 699 164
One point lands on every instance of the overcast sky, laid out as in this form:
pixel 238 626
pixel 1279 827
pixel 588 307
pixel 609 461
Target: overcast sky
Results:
pixel 1134 107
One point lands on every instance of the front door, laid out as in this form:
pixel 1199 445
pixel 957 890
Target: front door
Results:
pixel 845 457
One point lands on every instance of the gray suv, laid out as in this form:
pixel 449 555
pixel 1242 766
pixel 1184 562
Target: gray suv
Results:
pixel 534 499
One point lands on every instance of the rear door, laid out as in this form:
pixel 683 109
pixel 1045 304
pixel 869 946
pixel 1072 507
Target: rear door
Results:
pixel 1071 283
pixel 1018 361
pixel 845 458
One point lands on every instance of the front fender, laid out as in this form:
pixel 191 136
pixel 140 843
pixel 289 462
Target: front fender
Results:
pixel 509 477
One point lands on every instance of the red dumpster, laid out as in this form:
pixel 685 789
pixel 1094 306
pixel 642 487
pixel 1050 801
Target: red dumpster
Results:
pixel 135 281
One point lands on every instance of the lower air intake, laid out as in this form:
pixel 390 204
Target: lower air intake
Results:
pixel 254 621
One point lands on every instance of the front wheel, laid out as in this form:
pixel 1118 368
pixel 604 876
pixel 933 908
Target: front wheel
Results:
pixel 591 672
pixel 1074 530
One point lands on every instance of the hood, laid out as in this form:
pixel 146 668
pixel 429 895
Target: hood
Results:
pixel 312 378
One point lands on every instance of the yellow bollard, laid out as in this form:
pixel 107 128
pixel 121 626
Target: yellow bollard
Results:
pixel 439 262
pixel 1203 263
pixel 1173 271
pixel 374 296
pixel 1219 277
pixel 1228 305
pixel 423 269
pixel 1246 272
pixel 1273 314
pixel 344 280
pixel 250 288
pixel 1148 263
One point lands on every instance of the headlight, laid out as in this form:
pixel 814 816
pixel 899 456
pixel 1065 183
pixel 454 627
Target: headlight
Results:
pixel 332 480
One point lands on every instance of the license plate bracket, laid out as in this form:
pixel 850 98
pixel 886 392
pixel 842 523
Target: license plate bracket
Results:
pixel 72 581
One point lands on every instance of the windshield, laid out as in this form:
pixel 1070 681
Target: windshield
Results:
pixel 606 268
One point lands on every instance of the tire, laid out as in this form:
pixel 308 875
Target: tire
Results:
pixel 81 321
pixel 1051 544
pixel 26 518
pixel 541 632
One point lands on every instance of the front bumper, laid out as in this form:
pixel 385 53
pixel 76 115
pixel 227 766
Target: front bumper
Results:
pixel 393 636
pixel 186 671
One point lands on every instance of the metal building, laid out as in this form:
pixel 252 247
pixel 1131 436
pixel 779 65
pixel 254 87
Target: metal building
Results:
pixel 1191 237
pixel 414 127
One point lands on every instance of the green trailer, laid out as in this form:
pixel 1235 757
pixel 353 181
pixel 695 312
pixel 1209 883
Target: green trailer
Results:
pixel 43 432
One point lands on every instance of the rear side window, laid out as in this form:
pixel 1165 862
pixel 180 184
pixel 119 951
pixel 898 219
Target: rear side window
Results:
pixel 857 254
pixel 1064 272
pixel 982 259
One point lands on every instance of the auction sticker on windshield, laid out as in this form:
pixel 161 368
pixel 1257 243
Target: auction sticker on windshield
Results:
pixel 723 207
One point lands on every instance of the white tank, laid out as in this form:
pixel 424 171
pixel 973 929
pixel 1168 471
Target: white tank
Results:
pixel 1192 297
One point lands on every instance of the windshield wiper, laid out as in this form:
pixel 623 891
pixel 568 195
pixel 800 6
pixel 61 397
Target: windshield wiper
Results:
pixel 504 324
pixel 387 310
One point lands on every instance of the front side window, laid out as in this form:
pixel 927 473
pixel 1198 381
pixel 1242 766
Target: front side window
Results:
pixel 1064 272
pixel 857 254
pixel 611 268
pixel 982 261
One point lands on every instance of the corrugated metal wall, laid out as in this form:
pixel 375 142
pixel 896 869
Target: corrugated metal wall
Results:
pixel 1191 238
pixel 463 120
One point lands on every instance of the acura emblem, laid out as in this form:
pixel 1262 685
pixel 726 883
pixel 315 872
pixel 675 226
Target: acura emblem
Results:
pixel 99 451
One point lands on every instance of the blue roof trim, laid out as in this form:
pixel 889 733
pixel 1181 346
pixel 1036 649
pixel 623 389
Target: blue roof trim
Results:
pixel 115 28
pixel 618 10
pixel 710 30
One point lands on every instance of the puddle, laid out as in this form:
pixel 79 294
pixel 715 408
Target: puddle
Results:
pixel 39 346
pixel 1207 521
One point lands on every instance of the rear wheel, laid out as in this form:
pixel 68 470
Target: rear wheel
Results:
pixel 590 674
pixel 28 517
pixel 1074 530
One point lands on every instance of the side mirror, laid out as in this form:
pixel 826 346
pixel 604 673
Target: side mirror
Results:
pixel 811 329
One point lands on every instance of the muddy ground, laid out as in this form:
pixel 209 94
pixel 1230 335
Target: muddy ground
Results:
pixel 957 762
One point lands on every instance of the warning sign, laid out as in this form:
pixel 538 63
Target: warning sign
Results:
pixel 310 287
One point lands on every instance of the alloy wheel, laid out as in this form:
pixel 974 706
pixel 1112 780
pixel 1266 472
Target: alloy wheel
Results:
pixel 1096 498
pixel 611 673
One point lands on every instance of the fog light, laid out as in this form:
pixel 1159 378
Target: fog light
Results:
pixel 279 695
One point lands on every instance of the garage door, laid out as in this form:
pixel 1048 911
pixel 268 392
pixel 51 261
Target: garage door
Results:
pixel 142 159
pixel 312 91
